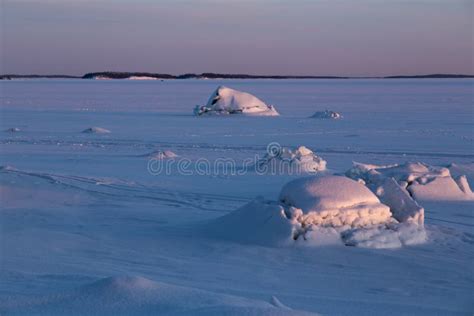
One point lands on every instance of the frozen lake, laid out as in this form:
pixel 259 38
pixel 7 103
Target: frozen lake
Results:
pixel 78 208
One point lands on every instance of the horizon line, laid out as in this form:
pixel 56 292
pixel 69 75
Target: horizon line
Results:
pixel 211 75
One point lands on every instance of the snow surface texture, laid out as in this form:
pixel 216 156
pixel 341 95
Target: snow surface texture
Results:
pixel 314 211
pixel 129 295
pixel 327 115
pixel 77 209
pixel 229 101
pixel 286 160
pixel 96 130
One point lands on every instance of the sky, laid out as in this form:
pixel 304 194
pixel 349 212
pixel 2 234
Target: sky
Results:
pixel 299 37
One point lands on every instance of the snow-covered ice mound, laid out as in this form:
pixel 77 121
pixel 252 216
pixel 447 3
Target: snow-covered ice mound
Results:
pixel 13 130
pixel 417 180
pixel 229 101
pixel 96 130
pixel 128 295
pixel 285 160
pixel 326 115
pixel 161 154
pixel 333 201
pixel 314 211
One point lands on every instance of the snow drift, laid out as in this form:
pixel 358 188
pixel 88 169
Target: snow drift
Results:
pixel 286 160
pixel 327 115
pixel 130 295
pixel 319 210
pixel 229 101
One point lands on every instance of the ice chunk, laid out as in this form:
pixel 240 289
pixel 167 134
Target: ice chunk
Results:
pixel 96 130
pixel 286 160
pixel 229 101
pixel 327 115
pixel 402 206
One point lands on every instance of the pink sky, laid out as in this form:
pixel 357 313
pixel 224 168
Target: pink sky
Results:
pixel 320 37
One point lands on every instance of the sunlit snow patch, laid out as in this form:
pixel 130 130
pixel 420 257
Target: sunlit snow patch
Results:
pixel 286 160
pixel 326 115
pixel 229 101
pixel 96 130
pixel 329 210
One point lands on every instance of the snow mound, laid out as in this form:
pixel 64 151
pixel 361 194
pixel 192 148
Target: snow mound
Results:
pixel 96 130
pixel 333 201
pixel 268 223
pixel 316 211
pixel 327 115
pixel 229 101
pixel 126 295
pixel 285 160
pixel 416 180
pixel 13 130
pixel 159 154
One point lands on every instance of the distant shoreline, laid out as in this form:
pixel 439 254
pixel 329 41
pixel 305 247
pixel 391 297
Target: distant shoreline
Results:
pixel 109 75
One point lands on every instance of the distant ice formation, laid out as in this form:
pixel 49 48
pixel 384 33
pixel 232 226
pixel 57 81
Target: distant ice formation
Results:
pixel 96 130
pixel 13 130
pixel 326 115
pixel 229 101
pixel 286 160
pixel 161 154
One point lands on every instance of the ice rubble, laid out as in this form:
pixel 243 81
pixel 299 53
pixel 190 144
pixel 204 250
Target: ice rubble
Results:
pixel 286 160
pixel 131 295
pixel 326 115
pixel 400 185
pixel 229 101
pixel 96 130
pixel 319 210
